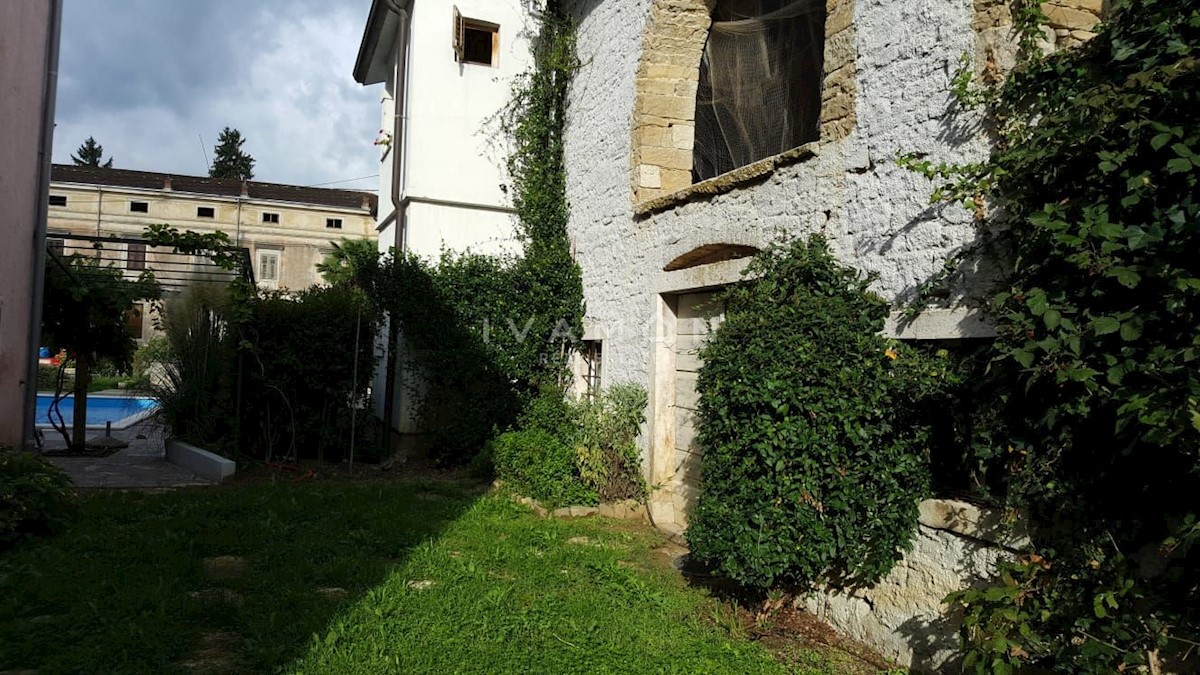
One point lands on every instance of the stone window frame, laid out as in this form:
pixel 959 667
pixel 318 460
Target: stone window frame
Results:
pixel 665 103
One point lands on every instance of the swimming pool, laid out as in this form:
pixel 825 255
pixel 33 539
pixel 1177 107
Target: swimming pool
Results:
pixel 122 411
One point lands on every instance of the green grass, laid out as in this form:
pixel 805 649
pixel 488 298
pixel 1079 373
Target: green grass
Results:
pixel 435 579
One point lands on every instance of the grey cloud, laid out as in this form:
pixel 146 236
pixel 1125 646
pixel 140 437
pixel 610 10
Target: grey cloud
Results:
pixel 145 76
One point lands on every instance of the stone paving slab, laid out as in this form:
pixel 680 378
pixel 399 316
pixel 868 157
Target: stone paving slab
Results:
pixel 142 465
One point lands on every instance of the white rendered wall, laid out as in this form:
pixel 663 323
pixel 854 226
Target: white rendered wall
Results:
pixel 451 151
pixel 459 229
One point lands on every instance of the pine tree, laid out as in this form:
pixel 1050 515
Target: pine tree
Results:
pixel 228 159
pixel 90 154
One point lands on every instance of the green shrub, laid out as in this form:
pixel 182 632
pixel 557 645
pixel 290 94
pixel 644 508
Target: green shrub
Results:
pixel 48 379
pixel 35 497
pixel 812 426
pixel 1094 180
pixel 540 466
pixel 156 350
pixel 606 427
pixel 196 395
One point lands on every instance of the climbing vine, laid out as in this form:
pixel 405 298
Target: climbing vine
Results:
pixel 486 335
pixel 1096 391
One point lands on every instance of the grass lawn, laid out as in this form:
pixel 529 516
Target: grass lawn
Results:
pixel 357 577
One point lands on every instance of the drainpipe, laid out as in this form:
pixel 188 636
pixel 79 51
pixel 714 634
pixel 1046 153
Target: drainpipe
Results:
pixel 399 151
pixel 99 207
pixel 49 90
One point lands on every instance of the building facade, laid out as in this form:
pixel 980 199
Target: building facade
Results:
pixel 288 229
pixel 447 69
pixel 29 42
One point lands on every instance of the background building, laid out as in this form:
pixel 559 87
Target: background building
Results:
pixel 288 229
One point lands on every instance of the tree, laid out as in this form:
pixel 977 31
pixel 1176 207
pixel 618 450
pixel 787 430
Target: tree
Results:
pixel 84 312
pixel 90 153
pixel 229 161
pixel 347 260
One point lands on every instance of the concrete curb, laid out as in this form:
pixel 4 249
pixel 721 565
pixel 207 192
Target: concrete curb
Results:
pixel 203 463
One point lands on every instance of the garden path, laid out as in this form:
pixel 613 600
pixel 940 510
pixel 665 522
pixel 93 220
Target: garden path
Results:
pixel 142 465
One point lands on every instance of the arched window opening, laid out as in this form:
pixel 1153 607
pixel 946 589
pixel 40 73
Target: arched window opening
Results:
pixel 759 89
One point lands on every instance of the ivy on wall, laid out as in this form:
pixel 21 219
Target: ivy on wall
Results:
pixel 485 335
pixel 1096 386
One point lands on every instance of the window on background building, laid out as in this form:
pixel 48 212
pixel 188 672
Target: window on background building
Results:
pixel 206 212
pixel 333 223
pixel 593 360
pixel 135 320
pixel 268 266
pixel 272 218
pixel 56 246
pixel 135 257
pixel 476 42
pixel 759 90
pixel 58 200
pixel 139 207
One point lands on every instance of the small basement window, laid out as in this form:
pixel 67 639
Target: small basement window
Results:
pixel 593 360
pixel 272 218
pixel 206 212
pixel 139 207
pixel 58 200
pixel 333 223
pixel 476 42
pixel 759 90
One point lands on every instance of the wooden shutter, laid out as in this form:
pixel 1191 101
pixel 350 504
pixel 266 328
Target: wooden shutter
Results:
pixel 135 257
pixel 459 35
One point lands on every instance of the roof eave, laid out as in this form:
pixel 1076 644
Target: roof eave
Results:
pixel 375 52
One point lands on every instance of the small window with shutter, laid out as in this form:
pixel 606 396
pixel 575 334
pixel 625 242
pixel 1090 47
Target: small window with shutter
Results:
pixel 476 42
pixel 135 257
pixel 268 266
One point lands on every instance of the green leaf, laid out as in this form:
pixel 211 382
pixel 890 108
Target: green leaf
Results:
pixel 1179 165
pixel 1023 357
pixel 1052 318
pixel 1131 330
pixel 1160 140
pixel 1105 325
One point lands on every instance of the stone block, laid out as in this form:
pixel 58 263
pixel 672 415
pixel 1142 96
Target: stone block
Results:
pixel 657 87
pixel 562 512
pixel 987 525
pixel 1070 18
pixel 649 176
pixel 606 510
pixel 582 511
pixel 683 137
pixel 667 158
pixel 669 107
pixel 663 71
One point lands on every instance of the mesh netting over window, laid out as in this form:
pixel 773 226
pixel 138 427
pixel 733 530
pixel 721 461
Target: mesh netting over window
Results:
pixel 760 82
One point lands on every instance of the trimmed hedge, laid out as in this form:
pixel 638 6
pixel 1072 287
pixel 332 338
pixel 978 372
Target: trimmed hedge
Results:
pixel 813 427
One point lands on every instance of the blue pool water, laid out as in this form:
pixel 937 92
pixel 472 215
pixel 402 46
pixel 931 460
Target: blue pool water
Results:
pixel 100 409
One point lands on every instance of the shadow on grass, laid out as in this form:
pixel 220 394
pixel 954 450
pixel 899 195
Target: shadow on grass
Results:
pixel 238 578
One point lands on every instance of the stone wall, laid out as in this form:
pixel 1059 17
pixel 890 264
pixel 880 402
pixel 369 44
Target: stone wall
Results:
pixel 876 214
pixel 665 101
pixel 903 617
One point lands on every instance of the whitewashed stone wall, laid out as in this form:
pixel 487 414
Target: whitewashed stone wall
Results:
pixel 903 617
pixel 876 214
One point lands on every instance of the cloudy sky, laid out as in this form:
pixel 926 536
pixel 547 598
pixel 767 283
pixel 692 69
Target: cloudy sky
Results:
pixel 147 78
